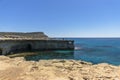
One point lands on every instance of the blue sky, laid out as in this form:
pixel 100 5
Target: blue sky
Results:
pixel 62 18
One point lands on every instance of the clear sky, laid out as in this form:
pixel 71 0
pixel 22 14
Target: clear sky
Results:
pixel 62 18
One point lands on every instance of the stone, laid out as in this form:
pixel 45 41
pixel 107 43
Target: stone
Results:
pixel 55 70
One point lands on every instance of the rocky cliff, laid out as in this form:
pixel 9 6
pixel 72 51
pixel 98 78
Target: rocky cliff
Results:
pixel 20 35
pixel 19 69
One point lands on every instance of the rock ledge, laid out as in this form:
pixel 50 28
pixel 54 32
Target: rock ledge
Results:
pixel 19 69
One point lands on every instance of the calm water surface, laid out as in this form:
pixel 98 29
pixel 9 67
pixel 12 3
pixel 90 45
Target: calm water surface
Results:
pixel 95 50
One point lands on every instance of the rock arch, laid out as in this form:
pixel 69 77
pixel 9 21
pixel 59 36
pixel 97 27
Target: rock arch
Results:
pixel 1 51
pixel 29 47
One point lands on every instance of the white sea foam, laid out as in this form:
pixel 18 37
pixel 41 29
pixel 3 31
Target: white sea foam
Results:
pixel 78 48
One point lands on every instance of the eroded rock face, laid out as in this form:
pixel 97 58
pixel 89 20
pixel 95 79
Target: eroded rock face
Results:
pixel 19 69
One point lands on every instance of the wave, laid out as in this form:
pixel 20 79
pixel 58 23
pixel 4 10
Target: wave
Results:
pixel 78 48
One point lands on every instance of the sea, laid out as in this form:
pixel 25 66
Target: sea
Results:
pixel 94 50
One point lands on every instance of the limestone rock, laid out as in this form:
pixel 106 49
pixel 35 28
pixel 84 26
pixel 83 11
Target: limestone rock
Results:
pixel 19 69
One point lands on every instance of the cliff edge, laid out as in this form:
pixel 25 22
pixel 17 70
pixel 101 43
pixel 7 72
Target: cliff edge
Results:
pixel 19 69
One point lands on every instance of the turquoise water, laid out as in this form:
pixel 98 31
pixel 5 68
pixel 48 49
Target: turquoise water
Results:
pixel 95 50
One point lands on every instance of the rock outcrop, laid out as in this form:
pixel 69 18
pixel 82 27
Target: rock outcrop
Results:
pixel 20 35
pixel 19 69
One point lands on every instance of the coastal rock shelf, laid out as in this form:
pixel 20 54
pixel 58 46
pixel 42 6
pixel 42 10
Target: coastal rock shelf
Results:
pixel 14 42
pixel 19 69
pixel 22 36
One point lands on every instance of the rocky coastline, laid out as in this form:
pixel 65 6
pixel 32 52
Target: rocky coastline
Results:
pixel 20 69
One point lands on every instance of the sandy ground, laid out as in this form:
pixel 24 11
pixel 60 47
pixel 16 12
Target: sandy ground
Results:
pixel 19 69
